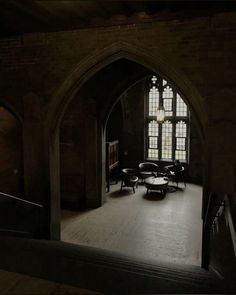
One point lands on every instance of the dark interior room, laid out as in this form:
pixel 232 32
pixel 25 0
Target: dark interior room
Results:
pixel 118 147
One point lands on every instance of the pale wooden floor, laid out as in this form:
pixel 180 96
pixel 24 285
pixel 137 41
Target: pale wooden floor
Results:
pixel 164 229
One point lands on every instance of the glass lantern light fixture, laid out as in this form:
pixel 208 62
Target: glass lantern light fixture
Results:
pixel 160 114
pixel 160 111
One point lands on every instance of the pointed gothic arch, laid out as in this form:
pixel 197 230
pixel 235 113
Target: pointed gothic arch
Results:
pixel 11 109
pixel 100 58
pixel 81 73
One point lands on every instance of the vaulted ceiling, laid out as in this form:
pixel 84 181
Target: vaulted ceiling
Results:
pixel 24 16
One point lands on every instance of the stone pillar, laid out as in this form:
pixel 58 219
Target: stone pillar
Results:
pixel 93 166
pixel 222 139
pixel 221 166
pixel 223 151
pixel 102 174
pixel 54 196
pixel 34 162
pixel 33 146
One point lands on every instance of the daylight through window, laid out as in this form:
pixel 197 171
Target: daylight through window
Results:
pixel 167 140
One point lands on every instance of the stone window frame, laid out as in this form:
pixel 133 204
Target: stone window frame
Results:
pixel 161 85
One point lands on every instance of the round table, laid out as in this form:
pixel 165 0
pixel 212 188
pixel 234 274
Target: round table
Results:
pixel 156 184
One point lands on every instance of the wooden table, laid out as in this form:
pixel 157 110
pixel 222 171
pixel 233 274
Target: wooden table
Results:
pixel 157 184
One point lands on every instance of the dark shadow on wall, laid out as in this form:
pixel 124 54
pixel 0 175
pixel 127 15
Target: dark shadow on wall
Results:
pixel 11 159
pixel 114 125
pixel 72 151
pixel 114 131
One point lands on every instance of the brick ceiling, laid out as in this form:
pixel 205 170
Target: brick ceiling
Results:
pixel 24 16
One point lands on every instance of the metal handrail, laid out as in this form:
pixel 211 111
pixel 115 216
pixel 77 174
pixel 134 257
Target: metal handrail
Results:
pixel 209 203
pixel 5 230
pixel 21 200
pixel 218 213
pixel 232 226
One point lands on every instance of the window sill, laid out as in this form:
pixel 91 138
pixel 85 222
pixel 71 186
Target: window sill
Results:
pixel 163 161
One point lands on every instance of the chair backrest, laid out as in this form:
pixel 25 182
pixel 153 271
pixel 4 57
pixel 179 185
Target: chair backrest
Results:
pixel 148 166
pixel 128 173
pixel 177 168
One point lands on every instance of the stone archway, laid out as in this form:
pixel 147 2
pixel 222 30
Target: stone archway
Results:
pixel 82 73
pixel 11 109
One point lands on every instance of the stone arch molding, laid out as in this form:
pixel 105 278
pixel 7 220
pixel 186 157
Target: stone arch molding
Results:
pixel 11 109
pixel 82 72
pixel 100 58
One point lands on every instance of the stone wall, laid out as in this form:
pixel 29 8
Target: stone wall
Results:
pixel 133 131
pixel 11 159
pixel 72 156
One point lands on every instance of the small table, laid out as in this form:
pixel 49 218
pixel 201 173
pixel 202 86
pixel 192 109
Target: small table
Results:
pixel 157 184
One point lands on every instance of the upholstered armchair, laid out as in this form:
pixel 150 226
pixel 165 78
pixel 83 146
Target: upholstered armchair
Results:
pixel 147 169
pixel 129 178
pixel 175 172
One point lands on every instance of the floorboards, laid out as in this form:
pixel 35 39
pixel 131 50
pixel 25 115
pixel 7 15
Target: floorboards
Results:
pixel 165 229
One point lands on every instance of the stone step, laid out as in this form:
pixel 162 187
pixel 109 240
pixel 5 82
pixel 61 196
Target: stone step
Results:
pixel 101 270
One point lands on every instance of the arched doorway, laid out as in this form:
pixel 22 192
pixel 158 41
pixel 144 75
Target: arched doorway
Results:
pixel 85 73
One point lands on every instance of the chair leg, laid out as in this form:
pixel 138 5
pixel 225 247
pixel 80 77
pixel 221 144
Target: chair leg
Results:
pixel 121 185
pixel 183 179
pixel 133 189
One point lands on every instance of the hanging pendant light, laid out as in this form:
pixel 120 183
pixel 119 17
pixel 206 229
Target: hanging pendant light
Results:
pixel 160 115
pixel 160 112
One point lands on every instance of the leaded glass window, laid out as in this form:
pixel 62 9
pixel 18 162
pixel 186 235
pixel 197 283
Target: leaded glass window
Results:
pixel 153 100
pixel 167 140
pixel 181 107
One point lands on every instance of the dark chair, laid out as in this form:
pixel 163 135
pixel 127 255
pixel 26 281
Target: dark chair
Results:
pixel 147 169
pixel 129 178
pixel 175 172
